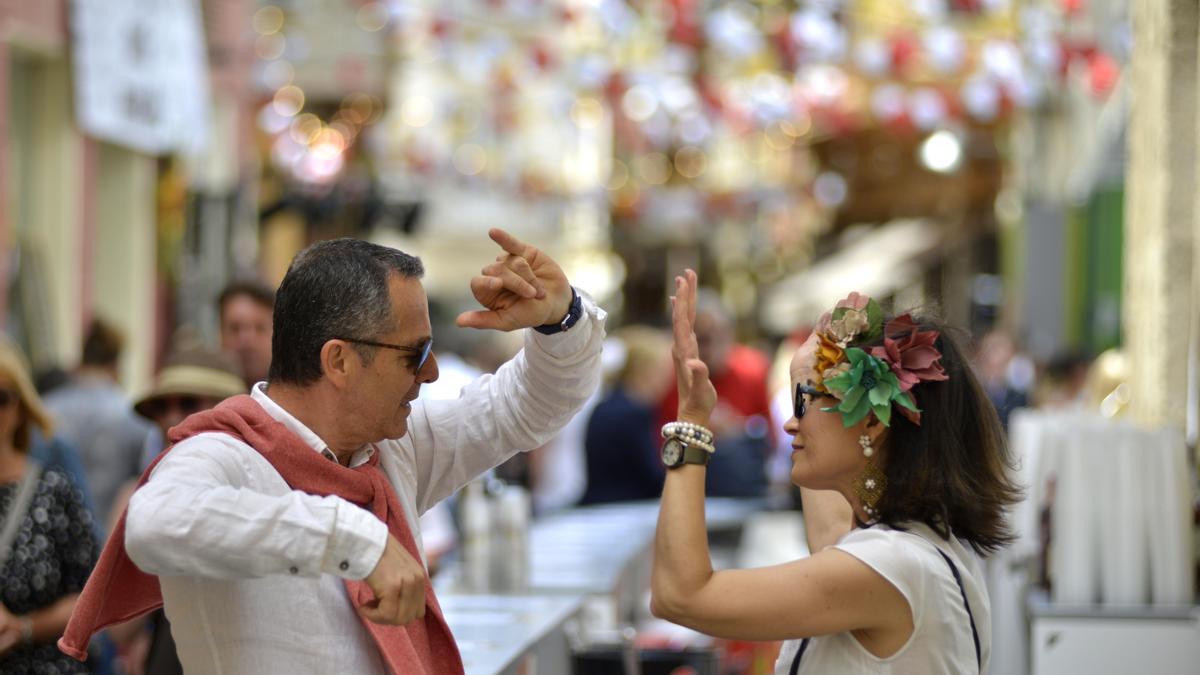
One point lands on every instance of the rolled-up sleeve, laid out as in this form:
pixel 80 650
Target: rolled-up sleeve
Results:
pixel 196 516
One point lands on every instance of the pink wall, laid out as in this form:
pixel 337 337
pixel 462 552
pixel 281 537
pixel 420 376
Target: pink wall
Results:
pixel 40 26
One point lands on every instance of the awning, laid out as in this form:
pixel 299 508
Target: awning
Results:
pixel 877 264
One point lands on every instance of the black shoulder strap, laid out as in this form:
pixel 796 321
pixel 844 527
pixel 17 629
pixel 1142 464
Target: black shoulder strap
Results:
pixel 962 591
pixel 799 652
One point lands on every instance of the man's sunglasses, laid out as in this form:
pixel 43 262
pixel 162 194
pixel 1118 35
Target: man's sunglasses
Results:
pixel 800 406
pixel 422 350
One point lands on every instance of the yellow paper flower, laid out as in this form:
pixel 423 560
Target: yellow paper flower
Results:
pixel 829 355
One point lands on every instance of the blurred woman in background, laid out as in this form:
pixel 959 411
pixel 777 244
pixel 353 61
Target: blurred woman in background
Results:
pixel 47 544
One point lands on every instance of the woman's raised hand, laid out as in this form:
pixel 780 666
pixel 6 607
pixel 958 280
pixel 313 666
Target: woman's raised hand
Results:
pixel 697 397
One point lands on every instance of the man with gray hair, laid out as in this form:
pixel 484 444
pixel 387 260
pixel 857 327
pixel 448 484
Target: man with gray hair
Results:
pixel 280 531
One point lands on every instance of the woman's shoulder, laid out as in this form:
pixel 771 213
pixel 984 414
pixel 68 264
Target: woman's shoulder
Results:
pixel 902 554
pixel 903 536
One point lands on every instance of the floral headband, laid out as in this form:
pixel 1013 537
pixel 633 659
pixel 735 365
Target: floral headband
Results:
pixel 871 382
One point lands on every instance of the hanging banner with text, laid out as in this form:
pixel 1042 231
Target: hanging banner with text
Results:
pixel 141 76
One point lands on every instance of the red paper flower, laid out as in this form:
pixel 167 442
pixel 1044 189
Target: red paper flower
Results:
pixel 912 356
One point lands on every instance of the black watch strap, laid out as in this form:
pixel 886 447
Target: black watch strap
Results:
pixel 573 315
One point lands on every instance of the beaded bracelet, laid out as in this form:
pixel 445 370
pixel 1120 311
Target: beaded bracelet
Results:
pixel 687 430
pixel 693 443
pixel 689 434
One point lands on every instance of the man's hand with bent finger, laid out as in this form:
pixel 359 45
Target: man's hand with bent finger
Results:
pixel 398 582
pixel 524 288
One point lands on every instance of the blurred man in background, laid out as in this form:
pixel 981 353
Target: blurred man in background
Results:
pixel 93 415
pixel 245 309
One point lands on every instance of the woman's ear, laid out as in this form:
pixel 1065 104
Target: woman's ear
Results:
pixel 876 430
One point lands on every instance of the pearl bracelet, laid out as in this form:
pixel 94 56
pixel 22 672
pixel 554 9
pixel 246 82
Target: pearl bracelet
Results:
pixel 689 434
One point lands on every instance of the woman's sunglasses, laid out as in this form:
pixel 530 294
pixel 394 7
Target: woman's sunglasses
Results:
pixel 801 406
pixel 8 397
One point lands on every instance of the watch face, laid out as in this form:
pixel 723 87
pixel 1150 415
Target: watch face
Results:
pixel 672 452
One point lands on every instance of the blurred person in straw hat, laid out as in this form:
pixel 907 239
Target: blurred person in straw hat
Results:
pixel 193 379
pixel 47 545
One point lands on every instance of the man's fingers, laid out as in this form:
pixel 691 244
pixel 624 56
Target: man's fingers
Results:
pixel 371 612
pixel 480 319
pixel 501 276
pixel 507 241
pixel 522 267
pixel 390 606
pixel 414 600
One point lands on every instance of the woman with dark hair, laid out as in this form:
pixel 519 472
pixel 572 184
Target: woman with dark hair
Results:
pixel 47 543
pixel 902 467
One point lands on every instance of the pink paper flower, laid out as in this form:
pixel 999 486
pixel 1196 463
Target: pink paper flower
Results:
pixel 823 323
pixel 855 300
pixel 912 355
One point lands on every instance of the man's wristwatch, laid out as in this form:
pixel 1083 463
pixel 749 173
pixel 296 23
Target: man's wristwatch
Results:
pixel 573 314
pixel 675 453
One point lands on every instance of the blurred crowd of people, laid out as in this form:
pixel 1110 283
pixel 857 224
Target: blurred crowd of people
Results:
pixel 71 451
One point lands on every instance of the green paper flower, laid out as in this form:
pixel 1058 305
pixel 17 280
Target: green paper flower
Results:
pixel 869 386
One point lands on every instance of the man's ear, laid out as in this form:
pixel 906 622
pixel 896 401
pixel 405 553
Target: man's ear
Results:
pixel 338 362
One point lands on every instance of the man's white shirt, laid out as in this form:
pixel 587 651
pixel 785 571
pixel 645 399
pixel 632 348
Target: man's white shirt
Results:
pixel 251 571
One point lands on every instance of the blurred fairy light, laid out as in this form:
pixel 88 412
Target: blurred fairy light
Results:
pixel 416 111
pixel 327 143
pixel 941 152
pixel 690 162
pixel 653 168
pixel 372 17
pixel 822 85
pixel 694 128
pixel 639 103
pixel 270 121
pixel 797 127
pixel 320 168
pixel 830 189
pixel 779 138
pixel 470 159
pixel 268 20
pixel 289 100
pixel 587 113
pixel 269 47
pixel 304 128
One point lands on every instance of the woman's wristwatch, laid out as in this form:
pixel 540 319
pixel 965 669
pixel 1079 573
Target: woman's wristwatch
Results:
pixel 686 443
pixel 675 453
